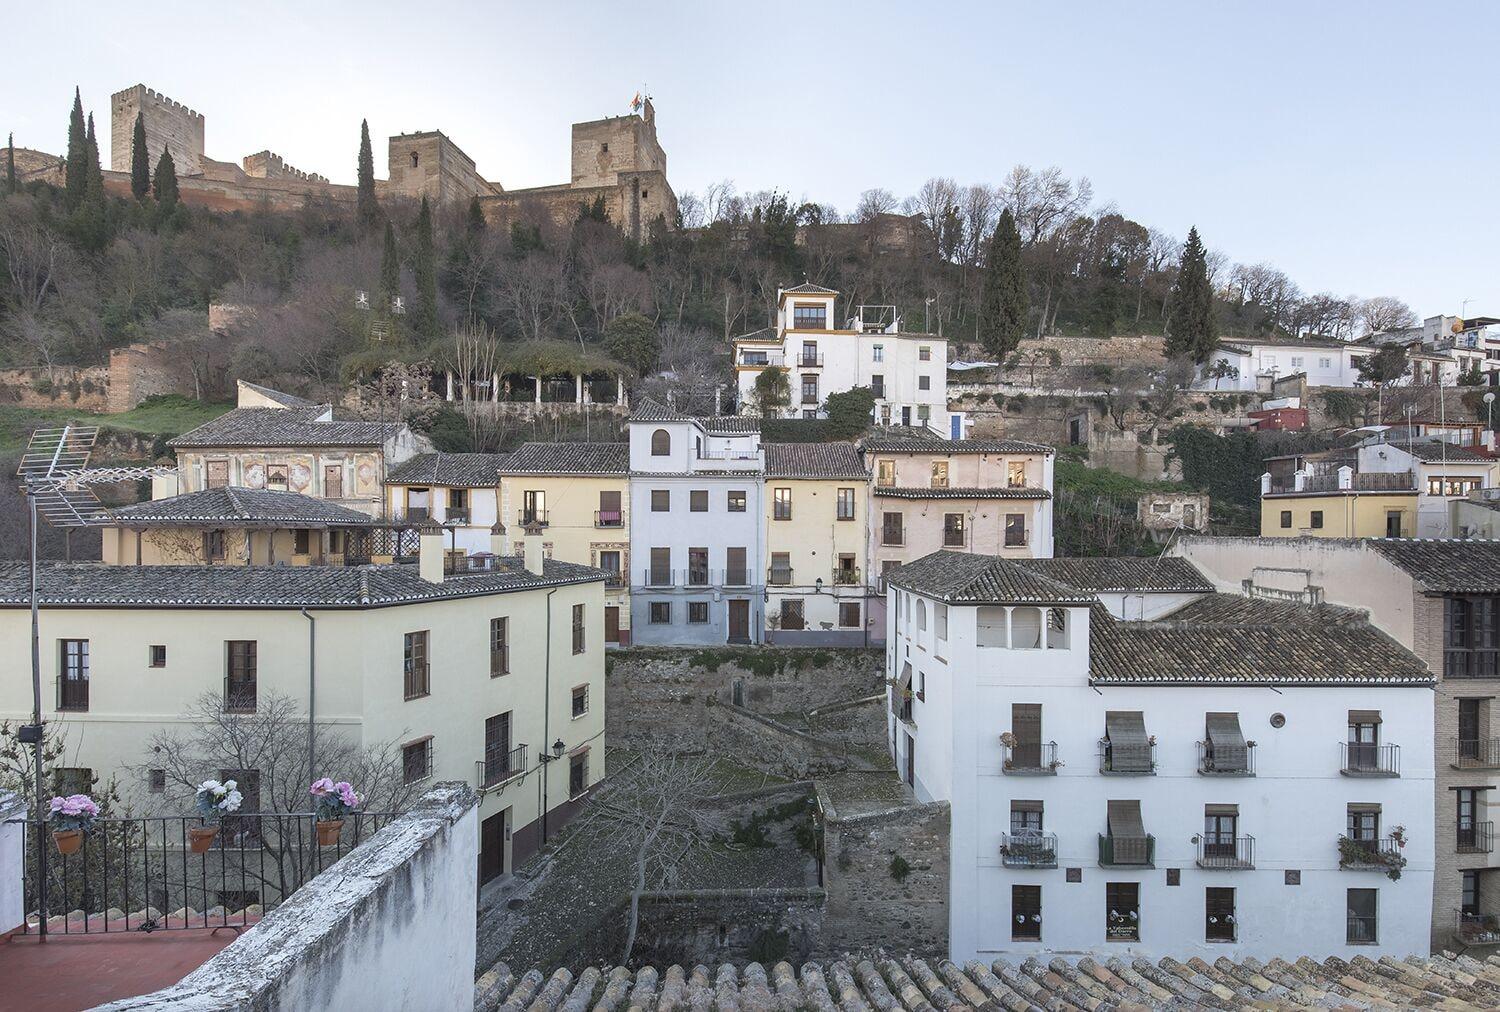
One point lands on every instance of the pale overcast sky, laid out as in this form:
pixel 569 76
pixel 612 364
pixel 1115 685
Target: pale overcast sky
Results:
pixel 1353 145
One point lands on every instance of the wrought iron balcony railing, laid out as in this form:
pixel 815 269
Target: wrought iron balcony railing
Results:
pixel 1121 759
pixel 1222 852
pixel 1358 759
pixel 1028 850
pixel 609 518
pixel 500 765
pixel 1475 753
pixel 1476 838
pixel 1226 762
pixel 1030 757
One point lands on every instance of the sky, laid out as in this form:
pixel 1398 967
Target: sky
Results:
pixel 1352 145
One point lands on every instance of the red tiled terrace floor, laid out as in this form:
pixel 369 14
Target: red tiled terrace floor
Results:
pixel 75 972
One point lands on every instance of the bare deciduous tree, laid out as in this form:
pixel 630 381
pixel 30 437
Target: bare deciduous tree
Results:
pixel 1385 312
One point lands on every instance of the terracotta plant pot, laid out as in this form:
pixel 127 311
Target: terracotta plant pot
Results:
pixel 328 832
pixel 201 838
pixel 68 840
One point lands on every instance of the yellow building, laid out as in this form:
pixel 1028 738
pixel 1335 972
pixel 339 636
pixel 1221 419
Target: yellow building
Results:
pixel 495 677
pixel 580 494
pixel 1341 513
pixel 815 509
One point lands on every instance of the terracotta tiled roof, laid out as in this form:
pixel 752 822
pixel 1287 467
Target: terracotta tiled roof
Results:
pixel 963 578
pixel 729 425
pixel 814 460
pixel 570 458
pixel 276 427
pixel 1237 609
pixel 806 288
pixel 988 492
pixel 1446 566
pixel 882 443
pixel 647 410
pixel 247 507
pixel 1432 451
pixel 1098 575
pixel 1049 982
pixel 450 470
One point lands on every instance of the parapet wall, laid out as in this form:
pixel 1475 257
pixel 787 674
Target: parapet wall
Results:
pixel 270 165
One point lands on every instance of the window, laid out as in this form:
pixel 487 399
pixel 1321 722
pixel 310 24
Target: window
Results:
pixel 158 655
pixel 1025 818
pixel 1221 824
pixel 953 530
pixel 1393 523
pixel 939 474
pixel 416 760
pixel 810 389
pixel 73 685
pixel 1315 520
pixel 810 317
pixel 1325 363
pixel 1470 839
pixel 497 748
pixel 697 567
pixel 791 613
pixel 661 443
pixel 156 781
pixel 1218 914
pixel 580 701
pixel 698 500
pixel 534 506
pixel 301 541
pixel 924 354
pixel 1026 913
pixel 1286 519
pixel 924 412
pixel 578 773
pixel 660 574
pixel 1441 486
pixel 1122 913
pixel 1015 530
pixel 415 158
pixel 216 474
pixel 661 500
pixel 924 382
pixel 213 546
pixel 240 676
pixel 609 510
pixel 578 637
pixel 414 670
pixel 276 476
pixel 846 504
pixel 877 389
pixel 1361 929
pixel 885 472
pixel 661 612
pixel 1471 638
pixel 736 502
pixel 1362 824
pixel 458 504
pixel 890 529
pixel 697 613
pixel 1015 474
pixel 781 568
pixel 1296 361
pixel 810 354
pixel 849 614
pixel 782 504
pixel 1364 740
pixel 499 647
pixel 333 481
pixel 736 574
pixel 878 352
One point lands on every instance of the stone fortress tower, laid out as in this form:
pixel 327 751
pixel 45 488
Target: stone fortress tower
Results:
pixel 169 124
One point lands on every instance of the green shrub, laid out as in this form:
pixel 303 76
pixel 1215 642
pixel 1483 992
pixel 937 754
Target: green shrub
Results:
pixel 900 868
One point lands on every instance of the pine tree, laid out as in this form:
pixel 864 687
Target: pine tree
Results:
pixel 424 266
pixel 76 179
pixel 164 184
pixel 1003 308
pixel 366 207
pixel 140 160
pixel 1191 329
pixel 390 270
pixel 10 165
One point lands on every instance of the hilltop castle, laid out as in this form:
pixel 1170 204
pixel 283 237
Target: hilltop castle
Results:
pixel 618 158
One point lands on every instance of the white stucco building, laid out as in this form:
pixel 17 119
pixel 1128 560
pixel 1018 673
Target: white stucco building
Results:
pixel 1444 473
pixel 457 490
pixel 1256 363
pixel 908 373
pixel 696 528
pixel 1237 783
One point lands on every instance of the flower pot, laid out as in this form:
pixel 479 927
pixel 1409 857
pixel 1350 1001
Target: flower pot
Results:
pixel 328 832
pixel 200 838
pixel 68 840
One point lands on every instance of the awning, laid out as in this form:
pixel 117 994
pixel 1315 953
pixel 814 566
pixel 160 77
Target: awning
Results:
pixel 1226 742
pixel 1221 809
pixel 1364 806
pixel 1025 806
pixel 1129 748
pixel 1364 716
pixel 1125 819
pixel 902 690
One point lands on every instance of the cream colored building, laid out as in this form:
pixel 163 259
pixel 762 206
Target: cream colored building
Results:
pixel 458 490
pixel 474 677
pixel 815 502
pixel 580 494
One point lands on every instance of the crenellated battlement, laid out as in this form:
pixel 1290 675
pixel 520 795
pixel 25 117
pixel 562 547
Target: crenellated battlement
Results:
pixel 270 165
pixel 165 102
pixel 169 125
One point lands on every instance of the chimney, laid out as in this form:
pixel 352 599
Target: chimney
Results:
pixel 531 545
pixel 499 541
pixel 430 553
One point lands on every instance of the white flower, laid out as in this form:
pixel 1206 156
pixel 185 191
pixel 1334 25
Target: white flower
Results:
pixel 209 785
pixel 232 802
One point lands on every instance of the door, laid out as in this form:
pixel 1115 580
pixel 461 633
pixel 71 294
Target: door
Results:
pixel 533 507
pixel 611 623
pixel 909 771
pixel 906 416
pixel 1219 831
pixel 739 621
pixel 1393 523
pixel 493 846
pixel 1026 725
pixel 1469 749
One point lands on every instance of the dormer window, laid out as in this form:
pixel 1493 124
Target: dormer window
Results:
pixel 415 158
pixel 661 443
pixel 814 317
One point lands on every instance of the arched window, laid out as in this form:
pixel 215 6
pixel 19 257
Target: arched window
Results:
pixel 661 443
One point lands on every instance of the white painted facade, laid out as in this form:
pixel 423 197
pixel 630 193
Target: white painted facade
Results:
pixel 1258 363
pixel 965 680
pixel 466 527
pixel 1439 483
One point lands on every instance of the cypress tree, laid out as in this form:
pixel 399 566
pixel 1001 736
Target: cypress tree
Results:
pixel 10 165
pixel 164 185
pixel 366 207
pixel 390 270
pixel 424 266
pixel 94 173
pixel 1003 307
pixel 475 224
pixel 140 161
pixel 1191 328
pixel 76 179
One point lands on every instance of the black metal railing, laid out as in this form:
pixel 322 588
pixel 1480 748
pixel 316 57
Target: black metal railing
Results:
pixel 1123 758
pixel 456 515
pixel 1476 838
pixel 524 517
pixel 1223 852
pixel 614 579
pixel 697 576
pixel 1359 930
pixel 656 577
pixel 1476 753
pixel 72 693
pixel 142 874
pixel 779 576
pixel 1364 852
pixel 1028 850
pixel 1357 759
pixel 846 576
pixel 1226 762
pixel 499 765
pixel 809 397
pixel 609 518
pixel 1478 929
pixel 809 361
pixel 1030 757
pixel 1127 851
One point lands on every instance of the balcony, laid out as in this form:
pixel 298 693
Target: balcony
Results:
pixel 1226 762
pixel 1478 929
pixel 846 576
pixel 525 517
pixel 1127 760
pixel 417 514
pixel 1028 850
pixel 456 515
pixel 736 578
pixel 613 579
pixel 1029 758
pixel 1476 838
pixel 1361 760
pixel 1221 852
pixel 656 578
pixel 499 766
pixel 73 694
pixel 1476 754
pixel 807 360
pixel 605 519
pixel 1361 854
pixel 1127 851
pixel 697 576
pixel 779 576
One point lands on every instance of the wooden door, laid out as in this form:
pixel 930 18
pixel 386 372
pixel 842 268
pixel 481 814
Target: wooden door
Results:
pixel 492 846
pixel 739 621
pixel 611 624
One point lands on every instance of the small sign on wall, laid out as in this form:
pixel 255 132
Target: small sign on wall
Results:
pixel 1293 877
pixel 1075 874
pixel 1174 876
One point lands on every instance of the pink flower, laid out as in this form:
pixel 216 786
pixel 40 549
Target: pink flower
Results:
pixel 322 786
pixel 56 804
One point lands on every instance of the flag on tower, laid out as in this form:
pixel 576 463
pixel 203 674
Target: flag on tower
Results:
pixel 635 103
